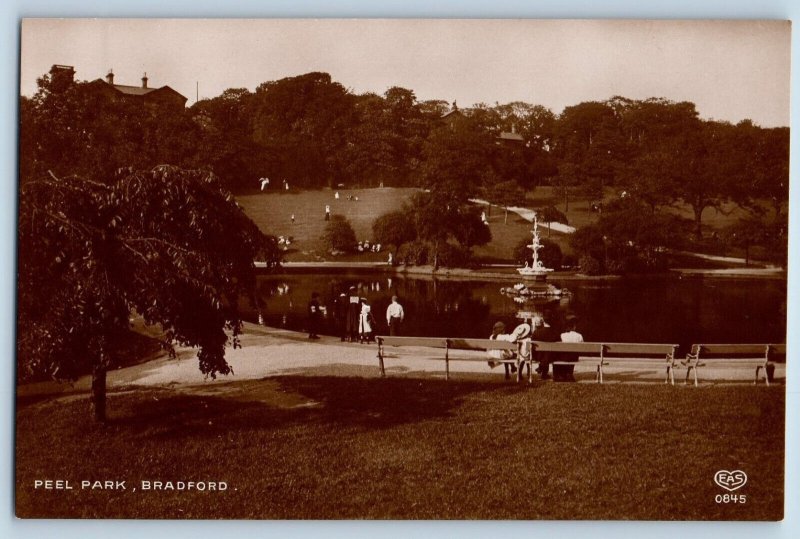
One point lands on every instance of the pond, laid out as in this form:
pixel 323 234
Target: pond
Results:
pixel 654 309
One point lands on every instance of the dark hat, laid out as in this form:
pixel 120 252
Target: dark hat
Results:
pixel 498 326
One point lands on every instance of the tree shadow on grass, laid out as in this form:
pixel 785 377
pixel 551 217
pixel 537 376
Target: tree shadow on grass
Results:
pixel 287 401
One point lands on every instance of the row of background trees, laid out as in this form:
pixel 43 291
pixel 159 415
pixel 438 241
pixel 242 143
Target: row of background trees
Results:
pixel 313 132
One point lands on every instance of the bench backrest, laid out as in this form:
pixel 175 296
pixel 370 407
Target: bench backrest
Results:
pixel 430 342
pixel 481 344
pixel 607 349
pixel 738 350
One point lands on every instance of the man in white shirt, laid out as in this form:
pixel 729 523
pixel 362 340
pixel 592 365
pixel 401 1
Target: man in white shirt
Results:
pixel 565 373
pixel 394 316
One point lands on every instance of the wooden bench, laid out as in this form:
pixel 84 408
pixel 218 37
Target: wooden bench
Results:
pixel 453 344
pixel 759 356
pixel 602 354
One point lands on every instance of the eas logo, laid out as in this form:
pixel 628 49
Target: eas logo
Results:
pixel 730 480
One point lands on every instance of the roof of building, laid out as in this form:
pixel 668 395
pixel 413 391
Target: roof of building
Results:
pixel 132 90
pixel 137 90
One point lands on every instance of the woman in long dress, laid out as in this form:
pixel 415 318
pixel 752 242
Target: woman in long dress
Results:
pixel 365 323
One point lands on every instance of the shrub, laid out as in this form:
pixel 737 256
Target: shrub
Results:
pixel 414 253
pixel 339 234
pixel 590 265
pixel 454 256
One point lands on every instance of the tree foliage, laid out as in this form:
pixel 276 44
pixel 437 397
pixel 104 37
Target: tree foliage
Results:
pixel 339 234
pixel 394 228
pixel 169 244
pixel 629 237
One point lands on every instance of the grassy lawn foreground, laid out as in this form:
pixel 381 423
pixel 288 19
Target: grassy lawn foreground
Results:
pixel 341 447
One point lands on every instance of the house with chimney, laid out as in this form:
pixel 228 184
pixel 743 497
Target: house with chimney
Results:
pixel 504 138
pixel 163 96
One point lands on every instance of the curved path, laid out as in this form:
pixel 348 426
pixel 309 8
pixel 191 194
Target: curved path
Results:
pixel 268 352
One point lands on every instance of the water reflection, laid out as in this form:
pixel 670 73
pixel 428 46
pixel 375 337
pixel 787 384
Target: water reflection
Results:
pixel 646 310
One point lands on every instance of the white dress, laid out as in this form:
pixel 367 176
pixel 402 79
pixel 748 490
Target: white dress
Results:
pixel 364 325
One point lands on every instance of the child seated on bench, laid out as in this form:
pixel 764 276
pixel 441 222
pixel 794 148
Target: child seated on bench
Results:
pixel 498 334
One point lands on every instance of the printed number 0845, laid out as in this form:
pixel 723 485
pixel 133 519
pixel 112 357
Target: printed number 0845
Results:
pixel 730 498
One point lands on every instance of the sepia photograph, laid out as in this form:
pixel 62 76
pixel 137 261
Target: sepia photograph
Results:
pixel 402 269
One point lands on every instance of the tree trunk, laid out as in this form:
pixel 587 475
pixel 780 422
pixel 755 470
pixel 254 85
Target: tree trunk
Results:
pixel 99 392
pixel 505 219
pixel 698 216
pixel 566 201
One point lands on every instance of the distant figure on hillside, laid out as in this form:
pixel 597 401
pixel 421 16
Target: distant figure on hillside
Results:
pixel 314 316
pixel 394 317
pixel 327 212
pixel 264 183
pixel 390 261
pixel 286 185
pixel 292 218
pixel 336 195
pixel 483 218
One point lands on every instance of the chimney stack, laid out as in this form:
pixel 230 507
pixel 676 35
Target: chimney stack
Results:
pixel 62 72
pixel 144 80
pixel 110 76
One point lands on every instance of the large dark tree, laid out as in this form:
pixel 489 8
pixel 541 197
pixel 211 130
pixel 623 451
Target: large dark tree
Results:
pixel 304 123
pixel 81 128
pixel 169 244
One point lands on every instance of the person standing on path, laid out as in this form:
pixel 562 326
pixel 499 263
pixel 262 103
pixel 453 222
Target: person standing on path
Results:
pixel 394 317
pixel 314 316
pixel 353 314
pixel 341 316
pixel 327 212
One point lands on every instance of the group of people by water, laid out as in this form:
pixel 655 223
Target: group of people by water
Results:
pixel 353 318
pixel 354 321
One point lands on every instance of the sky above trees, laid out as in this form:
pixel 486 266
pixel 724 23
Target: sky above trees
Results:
pixel 732 70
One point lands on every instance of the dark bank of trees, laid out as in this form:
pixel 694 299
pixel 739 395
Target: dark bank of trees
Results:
pixel 313 132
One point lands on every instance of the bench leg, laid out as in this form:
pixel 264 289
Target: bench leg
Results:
pixel 520 366
pixel 380 360
pixel 695 377
pixel 766 374
pixel 688 371
pixel 446 369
